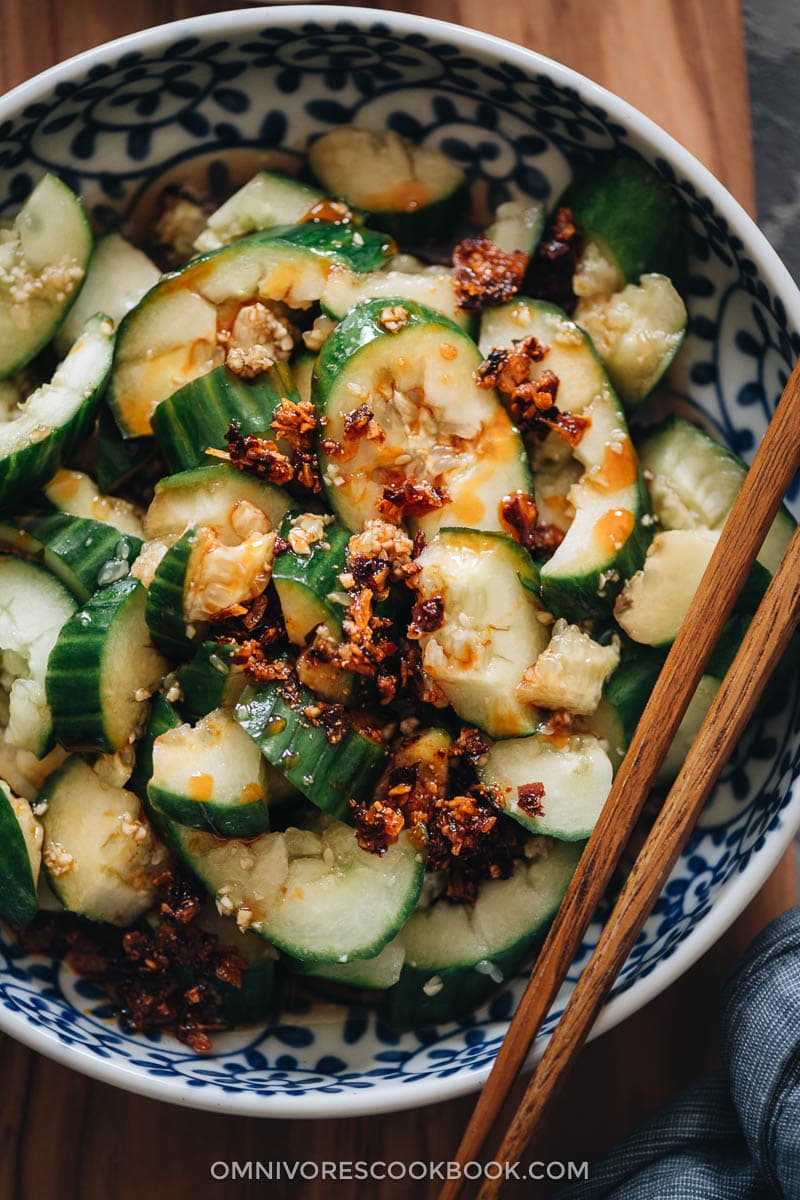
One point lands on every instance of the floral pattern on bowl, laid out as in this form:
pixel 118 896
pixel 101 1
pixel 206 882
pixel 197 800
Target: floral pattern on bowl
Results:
pixel 217 93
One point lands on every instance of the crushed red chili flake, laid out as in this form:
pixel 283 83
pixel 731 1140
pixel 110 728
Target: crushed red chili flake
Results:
pixel 262 457
pixel 259 628
pixel 426 616
pixel 531 402
pixel 483 273
pixel 463 822
pixel 256 455
pixel 295 423
pixel 359 422
pixel 519 514
pixel 420 542
pixel 530 797
pixel 250 655
pixel 356 422
pixel 457 813
pixel 158 979
pixel 372 573
pixel 507 367
pixel 411 498
pixel 555 262
pixel 569 426
pixel 377 824
pixel 471 746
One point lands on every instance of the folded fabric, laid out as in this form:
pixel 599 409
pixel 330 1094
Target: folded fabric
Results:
pixel 735 1136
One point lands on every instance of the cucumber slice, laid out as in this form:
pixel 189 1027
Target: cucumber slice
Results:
pixel 56 417
pixel 165 608
pixel 302 371
pixel 653 603
pixel 200 577
pixel 216 497
pixel 412 192
pixel 313 893
pixel 574 777
pixel 162 716
pixel 378 973
pixel 74 493
pixel 517 225
pixel 119 460
pixel 606 540
pixel 490 633
pixel 432 287
pixel 21 839
pixel 457 954
pixel 308 584
pixel 209 681
pixel 629 690
pixel 409 379
pixel 694 481
pixel 33 608
pixel 103 670
pixel 200 413
pixel 266 200
pixel 119 275
pixel 637 332
pixel 210 777
pixel 100 854
pixel 688 729
pixel 170 337
pixel 84 555
pixel 632 215
pixel 43 261
pixel 332 776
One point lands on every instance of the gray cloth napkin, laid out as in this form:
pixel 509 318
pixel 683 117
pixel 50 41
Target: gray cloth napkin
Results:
pixel 735 1136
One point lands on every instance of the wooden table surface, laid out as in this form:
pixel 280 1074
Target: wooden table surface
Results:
pixel 682 63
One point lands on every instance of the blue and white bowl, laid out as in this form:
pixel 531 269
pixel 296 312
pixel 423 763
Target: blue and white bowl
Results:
pixel 211 97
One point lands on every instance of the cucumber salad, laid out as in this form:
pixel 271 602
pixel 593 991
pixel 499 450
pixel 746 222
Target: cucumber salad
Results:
pixel 340 549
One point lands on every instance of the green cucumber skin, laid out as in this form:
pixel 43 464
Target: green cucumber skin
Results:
pixel 406 1006
pixel 360 249
pixel 360 327
pixel 329 776
pixel 357 330
pixel 75 666
pixel 578 597
pixel 331 243
pixel 203 685
pixel 164 610
pixel 417 227
pixel 425 224
pixel 31 349
pixel 22 474
pixel 252 1003
pixel 75 549
pixel 224 820
pixel 607 195
pixel 18 899
pixel 316 574
pixel 163 716
pixel 199 414
pixel 119 460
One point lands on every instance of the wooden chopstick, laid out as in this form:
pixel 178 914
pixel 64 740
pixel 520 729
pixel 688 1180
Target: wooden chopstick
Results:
pixel 776 461
pixel 766 639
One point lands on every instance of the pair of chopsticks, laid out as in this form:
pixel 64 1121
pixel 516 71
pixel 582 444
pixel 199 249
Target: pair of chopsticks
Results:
pixel 775 464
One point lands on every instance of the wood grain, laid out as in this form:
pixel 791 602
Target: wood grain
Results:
pixel 768 636
pixel 774 466
pixel 681 62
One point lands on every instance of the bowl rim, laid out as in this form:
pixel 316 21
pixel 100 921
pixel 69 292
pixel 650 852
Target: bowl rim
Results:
pixel 739 890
